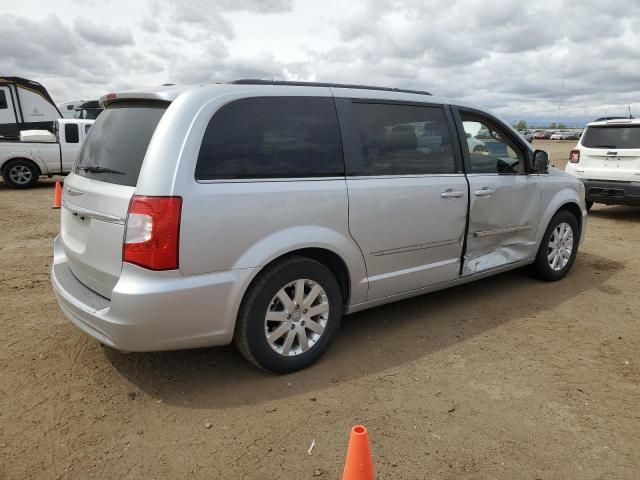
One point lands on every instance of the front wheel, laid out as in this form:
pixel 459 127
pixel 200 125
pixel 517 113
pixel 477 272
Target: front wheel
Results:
pixel 589 205
pixel 289 316
pixel 559 247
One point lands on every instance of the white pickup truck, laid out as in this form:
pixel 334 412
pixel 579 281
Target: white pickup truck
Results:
pixel 23 162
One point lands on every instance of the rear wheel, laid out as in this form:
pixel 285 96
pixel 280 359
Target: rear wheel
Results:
pixel 559 247
pixel 290 315
pixel 20 173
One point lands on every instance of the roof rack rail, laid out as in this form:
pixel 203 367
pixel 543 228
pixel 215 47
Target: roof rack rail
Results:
pixel 601 119
pixel 256 81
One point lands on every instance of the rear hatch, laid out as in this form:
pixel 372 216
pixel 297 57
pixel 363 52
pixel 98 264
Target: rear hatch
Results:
pixel 610 152
pixel 96 195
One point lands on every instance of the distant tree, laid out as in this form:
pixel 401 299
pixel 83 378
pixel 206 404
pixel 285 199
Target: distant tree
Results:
pixel 553 125
pixel 562 126
pixel 521 125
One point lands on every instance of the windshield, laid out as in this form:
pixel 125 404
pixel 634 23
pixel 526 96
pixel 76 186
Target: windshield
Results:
pixel 618 136
pixel 117 142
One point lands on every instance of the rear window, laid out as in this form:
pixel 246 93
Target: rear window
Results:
pixel 617 136
pixel 71 133
pixel 117 142
pixel 274 137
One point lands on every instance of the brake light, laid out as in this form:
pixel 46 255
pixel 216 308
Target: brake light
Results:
pixel 574 156
pixel 152 232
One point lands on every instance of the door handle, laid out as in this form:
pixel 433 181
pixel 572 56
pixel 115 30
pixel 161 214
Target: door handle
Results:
pixel 484 192
pixel 452 194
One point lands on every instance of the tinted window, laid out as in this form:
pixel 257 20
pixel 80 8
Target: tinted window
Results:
pixel 272 137
pixel 70 107
pixel 3 100
pixel 71 133
pixel 490 149
pixel 612 137
pixel 403 140
pixel 117 142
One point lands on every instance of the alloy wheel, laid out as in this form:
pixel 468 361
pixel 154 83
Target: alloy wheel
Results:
pixel 20 174
pixel 296 317
pixel 560 246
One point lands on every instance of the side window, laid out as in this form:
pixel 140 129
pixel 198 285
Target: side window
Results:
pixel 71 133
pixel 490 150
pixel 3 100
pixel 403 140
pixel 87 128
pixel 272 137
pixel 70 107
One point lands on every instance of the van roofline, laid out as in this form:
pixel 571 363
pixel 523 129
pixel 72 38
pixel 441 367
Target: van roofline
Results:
pixel 614 122
pixel 168 93
pixel 251 81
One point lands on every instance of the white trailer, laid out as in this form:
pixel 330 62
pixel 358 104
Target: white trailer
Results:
pixel 23 162
pixel 25 105
pixel 68 108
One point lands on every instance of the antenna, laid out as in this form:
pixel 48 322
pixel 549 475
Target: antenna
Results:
pixel 560 98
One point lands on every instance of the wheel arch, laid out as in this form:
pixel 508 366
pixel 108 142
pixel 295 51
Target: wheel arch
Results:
pixel 330 259
pixel 575 210
pixel 6 161
pixel 335 249
pixel 564 199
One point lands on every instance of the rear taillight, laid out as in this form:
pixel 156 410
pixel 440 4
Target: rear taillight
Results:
pixel 574 156
pixel 152 232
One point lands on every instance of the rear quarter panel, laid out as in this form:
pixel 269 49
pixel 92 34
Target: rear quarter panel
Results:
pixel 243 225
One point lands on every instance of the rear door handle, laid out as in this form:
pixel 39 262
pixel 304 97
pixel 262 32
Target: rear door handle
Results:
pixel 484 192
pixel 452 194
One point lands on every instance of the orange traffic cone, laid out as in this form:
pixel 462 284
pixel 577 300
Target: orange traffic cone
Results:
pixel 57 196
pixel 358 465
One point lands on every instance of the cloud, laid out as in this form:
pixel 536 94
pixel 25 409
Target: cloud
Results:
pixel 510 56
pixel 532 59
pixel 101 34
pixel 204 7
pixel 198 19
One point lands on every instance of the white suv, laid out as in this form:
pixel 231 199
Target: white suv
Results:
pixel 607 160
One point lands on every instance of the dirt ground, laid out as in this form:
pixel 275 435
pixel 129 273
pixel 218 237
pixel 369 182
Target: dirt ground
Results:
pixel 506 378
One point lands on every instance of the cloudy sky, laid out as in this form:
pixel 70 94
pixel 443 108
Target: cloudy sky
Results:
pixel 568 60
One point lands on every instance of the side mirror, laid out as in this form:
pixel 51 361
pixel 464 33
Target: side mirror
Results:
pixel 540 161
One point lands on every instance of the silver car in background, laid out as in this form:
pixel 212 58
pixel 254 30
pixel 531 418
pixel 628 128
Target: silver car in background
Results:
pixel 262 211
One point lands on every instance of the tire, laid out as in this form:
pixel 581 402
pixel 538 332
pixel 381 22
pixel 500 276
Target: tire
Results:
pixel 20 173
pixel 289 325
pixel 555 268
pixel 589 205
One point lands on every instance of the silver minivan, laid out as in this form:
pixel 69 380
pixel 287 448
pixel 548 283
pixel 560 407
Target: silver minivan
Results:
pixel 260 212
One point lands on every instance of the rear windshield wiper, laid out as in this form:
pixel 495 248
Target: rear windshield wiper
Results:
pixel 98 169
pixel 604 146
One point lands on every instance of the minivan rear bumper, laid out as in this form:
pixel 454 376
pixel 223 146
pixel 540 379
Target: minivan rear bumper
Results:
pixel 151 311
pixel 612 192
